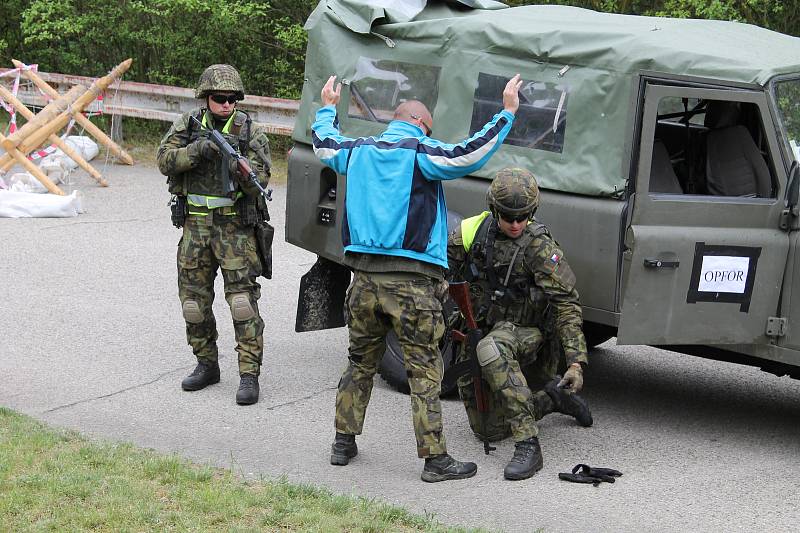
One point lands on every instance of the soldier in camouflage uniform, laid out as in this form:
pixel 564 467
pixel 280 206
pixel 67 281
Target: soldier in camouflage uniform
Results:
pixel 218 209
pixel 394 231
pixel 520 285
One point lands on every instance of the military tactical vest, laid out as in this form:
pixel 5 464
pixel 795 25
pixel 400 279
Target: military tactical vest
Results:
pixel 209 177
pixel 501 287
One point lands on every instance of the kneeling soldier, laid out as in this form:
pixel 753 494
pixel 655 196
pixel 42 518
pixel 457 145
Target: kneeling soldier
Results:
pixel 520 284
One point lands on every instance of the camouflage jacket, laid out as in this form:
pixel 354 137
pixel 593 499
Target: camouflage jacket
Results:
pixel 187 174
pixel 532 277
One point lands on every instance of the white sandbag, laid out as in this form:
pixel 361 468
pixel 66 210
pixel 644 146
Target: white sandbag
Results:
pixel 82 144
pixel 25 182
pixel 85 145
pixel 24 204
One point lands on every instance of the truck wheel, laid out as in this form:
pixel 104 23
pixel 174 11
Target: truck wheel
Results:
pixel 393 371
pixel 597 334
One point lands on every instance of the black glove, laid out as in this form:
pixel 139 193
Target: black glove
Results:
pixel 204 148
pixel 588 474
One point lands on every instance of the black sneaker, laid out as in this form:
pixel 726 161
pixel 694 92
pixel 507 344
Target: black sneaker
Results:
pixel 203 375
pixel 248 390
pixel 527 460
pixel 569 403
pixel 343 449
pixel 443 467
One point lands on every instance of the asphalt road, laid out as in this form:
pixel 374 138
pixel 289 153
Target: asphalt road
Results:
pixel 93 339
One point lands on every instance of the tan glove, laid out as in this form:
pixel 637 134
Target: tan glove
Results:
pixel 573 378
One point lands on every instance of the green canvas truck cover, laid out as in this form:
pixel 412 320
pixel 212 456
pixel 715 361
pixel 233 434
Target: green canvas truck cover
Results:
pixel 580 66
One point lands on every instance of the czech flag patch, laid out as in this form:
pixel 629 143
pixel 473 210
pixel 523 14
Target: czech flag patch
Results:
pixel 555 258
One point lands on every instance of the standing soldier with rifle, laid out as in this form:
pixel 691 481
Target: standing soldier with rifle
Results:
pixel 217 162
pixel 520 286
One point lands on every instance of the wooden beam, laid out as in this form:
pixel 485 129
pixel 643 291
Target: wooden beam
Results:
pixel 87 124
pixel 54 139
pixel 45 119
pixel 33 169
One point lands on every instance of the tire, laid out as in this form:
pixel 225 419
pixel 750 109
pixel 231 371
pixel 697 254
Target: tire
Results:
pixel 597 334
pixel 393 371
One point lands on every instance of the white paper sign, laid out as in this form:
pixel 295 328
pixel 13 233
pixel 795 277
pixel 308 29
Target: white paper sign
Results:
pixel 722 273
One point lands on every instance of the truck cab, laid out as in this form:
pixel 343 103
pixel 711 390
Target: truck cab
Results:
pixel 665 150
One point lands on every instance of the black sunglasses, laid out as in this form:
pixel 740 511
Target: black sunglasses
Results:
pixel 519 218
pixel 222 98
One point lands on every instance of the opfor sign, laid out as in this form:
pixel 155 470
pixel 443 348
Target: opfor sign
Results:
pixel 723 273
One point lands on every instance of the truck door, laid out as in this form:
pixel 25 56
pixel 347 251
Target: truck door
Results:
pixel 704 253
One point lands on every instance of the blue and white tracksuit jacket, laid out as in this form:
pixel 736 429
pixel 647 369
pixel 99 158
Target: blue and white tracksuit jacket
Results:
pixel 394 202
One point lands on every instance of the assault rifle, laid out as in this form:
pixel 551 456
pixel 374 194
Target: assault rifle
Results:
pixel 229 153
pixel 459 292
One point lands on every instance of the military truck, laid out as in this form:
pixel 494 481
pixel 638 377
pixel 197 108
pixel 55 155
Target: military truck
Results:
pixel 666 151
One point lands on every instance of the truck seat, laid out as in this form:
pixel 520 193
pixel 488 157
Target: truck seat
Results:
pixel 734 165
pixel 662 175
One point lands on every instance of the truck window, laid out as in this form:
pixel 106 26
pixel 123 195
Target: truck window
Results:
pixel 711 147
pixel 542 116
pixel 380 85
pixel 787 94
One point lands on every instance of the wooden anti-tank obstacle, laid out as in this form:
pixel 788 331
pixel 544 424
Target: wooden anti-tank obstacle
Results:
pixel 42 126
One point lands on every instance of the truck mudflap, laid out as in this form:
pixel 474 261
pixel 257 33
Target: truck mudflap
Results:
pixel 320 302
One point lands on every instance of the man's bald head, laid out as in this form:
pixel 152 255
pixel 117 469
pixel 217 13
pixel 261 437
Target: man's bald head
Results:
pixel 414 112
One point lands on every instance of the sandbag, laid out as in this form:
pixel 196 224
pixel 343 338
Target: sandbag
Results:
pixel 25 204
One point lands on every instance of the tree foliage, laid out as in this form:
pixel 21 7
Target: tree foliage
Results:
pixel 172 41
pixel 778 15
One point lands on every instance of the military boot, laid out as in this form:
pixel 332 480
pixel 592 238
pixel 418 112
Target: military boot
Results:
pixel 343 449
pixel 569 403
pixel 203 375
pixel 527 460
pixel 248 390
pixel 443 467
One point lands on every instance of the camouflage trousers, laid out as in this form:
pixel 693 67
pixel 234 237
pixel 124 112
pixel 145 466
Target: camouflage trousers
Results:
pixel 514 407
pixel 208 243
pixel 409 304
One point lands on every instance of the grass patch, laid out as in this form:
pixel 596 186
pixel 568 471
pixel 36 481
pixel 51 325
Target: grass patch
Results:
pixel 58 480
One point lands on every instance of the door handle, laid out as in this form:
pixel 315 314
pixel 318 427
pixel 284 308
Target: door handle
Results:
pixel 658 263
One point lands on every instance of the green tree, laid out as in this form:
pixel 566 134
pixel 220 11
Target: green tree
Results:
pixel 171 41
pixel 778 15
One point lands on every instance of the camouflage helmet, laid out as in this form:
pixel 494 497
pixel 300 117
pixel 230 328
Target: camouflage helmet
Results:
pixel 513 192
pixel 219 78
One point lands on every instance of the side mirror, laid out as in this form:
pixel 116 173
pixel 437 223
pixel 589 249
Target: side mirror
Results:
pixel 793 191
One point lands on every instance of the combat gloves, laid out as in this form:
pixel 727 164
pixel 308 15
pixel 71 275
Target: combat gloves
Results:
pixel 202 148
pixel 233 168
pixel 589 474
pixel 573 378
